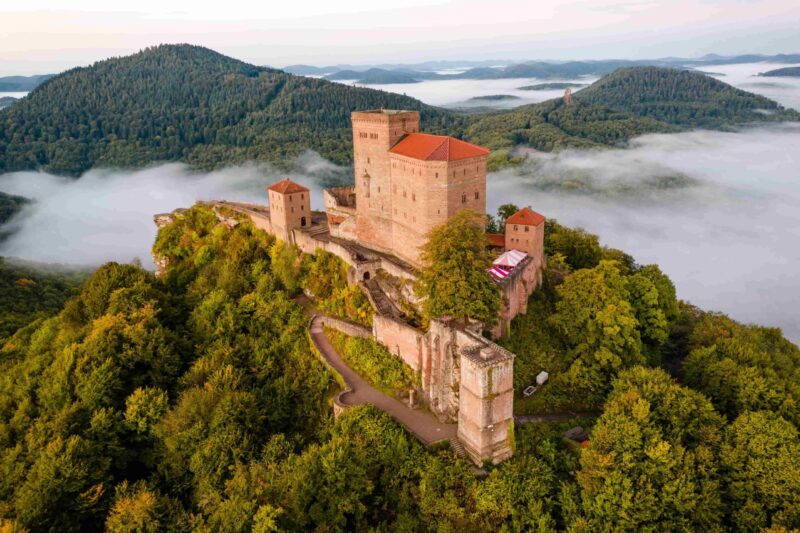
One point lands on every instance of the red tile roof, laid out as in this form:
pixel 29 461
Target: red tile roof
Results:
pixel 526 217
pixel 496 239
pixel 286 186
pixel 436 148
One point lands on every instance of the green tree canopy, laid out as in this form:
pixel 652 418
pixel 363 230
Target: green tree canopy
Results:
pixel 652 461
pixel 454 280
pixel 599 325
pixel 761 461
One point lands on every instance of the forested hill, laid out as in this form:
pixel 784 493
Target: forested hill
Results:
pixel 683 98
pixel 624 104
pixel 782 72
pixel 188 103
pixel 183 102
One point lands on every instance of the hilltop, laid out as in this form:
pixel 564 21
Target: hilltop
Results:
pixel 622 105
pixel 782 72
pixel 683 98
pixel 374 76
pixel 188 103
pixel 22 83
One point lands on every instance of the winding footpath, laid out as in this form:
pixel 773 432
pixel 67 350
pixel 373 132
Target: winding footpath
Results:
pixel 421 424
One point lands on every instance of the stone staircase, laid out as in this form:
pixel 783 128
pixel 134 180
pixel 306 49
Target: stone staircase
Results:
pixel 382 304
pixel 458 447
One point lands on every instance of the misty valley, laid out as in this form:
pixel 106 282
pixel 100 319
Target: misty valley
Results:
pixel 444 296
pixel 688 193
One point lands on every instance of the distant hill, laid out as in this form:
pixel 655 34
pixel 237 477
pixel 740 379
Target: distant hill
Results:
pixel 187 103
pixel 782 72
pixel 550 86
pixel 14 84
pixel 191 104
pixel 10 205
pixel 622 105
pixel 683 98
pixel 6 101
pixel 493 97
pixel 308 70
pixel 375 76
pixel 551 125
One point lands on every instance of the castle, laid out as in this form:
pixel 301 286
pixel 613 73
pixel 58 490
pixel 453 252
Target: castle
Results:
pixel 406 183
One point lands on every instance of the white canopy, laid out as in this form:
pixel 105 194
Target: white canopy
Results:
pixel 510 258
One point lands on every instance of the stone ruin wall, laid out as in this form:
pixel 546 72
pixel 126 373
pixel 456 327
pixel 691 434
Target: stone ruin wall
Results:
pixel 515 292
pixel 463 376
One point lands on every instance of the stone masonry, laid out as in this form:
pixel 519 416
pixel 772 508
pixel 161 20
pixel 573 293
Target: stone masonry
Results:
pixel 406 183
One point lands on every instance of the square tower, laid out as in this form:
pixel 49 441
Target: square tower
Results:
pixel 525 232
pixel 374 133
pixel 433 177
pixel 289 207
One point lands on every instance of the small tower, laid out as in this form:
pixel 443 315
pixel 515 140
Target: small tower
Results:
pixel 568 96
pixel 289 207
pixel 525 232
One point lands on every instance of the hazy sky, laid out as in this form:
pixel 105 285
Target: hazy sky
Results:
pixel 39 36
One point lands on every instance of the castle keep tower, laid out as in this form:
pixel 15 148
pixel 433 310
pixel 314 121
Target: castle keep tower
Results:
pixel 374 133
pixel 289 207
pixel 408 182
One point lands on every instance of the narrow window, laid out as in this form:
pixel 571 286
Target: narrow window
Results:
pixel 515 228
pixel 293 210
pixel 527 229
pixel 437 174
pixel 413 197
pixel 465 171
pixel 368 161
pixel 303 221
pixel 302 208
pixel 463 198
pixel 477 195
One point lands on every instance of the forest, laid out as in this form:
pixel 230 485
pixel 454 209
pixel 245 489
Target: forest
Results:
pixel 684 98
pixel 191 104
pixel 187 103
pixel 10 205
pixel 194 402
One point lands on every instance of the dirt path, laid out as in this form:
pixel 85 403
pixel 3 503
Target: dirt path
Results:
pixel 421 424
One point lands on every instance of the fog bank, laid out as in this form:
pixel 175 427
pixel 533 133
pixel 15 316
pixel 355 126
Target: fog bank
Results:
pixel 729 237
pixel 107 215
pixel 719 212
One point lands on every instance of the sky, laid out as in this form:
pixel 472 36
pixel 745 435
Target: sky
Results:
pixel 43 36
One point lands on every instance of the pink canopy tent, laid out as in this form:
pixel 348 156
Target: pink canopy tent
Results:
pixel 504 265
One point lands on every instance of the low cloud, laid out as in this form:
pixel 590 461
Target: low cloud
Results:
pixel 719 212
pixel 108 214
pixel 727 232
